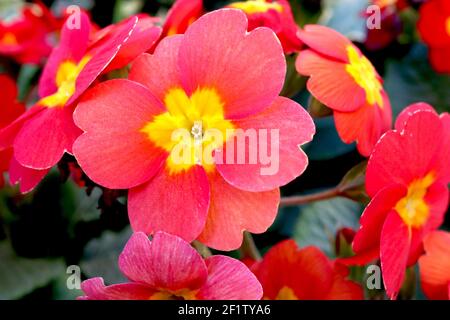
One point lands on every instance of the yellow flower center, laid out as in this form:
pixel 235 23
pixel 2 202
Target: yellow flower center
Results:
pixel 9 39
pixel 286 293
pixel 412 208
pixel 66 78
pixel 183 294
pixel 256 6
pixel 191 129
pixel 447 26
pixel 364 74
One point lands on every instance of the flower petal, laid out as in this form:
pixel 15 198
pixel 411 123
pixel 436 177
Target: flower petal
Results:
pixel 281 128
pixel 329 82
pixel 114 152
pixel 165 263
pixel 44 138
pixel 95 289
pixel 246 69
pixel 394 252
pixel 229 279
pixel 26 177
pixel 174 203
pixel 231 211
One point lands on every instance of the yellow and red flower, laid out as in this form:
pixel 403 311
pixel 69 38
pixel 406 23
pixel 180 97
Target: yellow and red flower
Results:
pixel 290 273
pixel 194 83
pixel 407 178
pixel 168 268
pixel 10 110
pixel 434 27
pixel 435 266
pixel 344 80
pixel 274 14
pixel 46 131
pixel 26 37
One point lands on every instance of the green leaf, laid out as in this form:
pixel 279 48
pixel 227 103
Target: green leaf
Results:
pixel 353 185
pixel 101 256
pixel 319 222
pixel 326 143
pixel 413 80
pixel 20 276
pixel 126 8
pixel 317 109
pixel 25 78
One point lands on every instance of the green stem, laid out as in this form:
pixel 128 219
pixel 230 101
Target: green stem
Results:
pixel 202 249
pixel 248 248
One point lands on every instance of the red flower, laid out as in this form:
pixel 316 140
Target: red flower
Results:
pixel 26 37
pixel 168 268
pixel 290 273
pixel 194 83
pixel 274 14
pixel 434 27
pixel 435 266
pixel 46 131
pixel 10 109
pixel 407 177
pixel 344 80
pixel 182 14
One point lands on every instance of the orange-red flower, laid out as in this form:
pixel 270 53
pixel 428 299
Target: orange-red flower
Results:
pixel 435 266
pixel 168 268
pixel 195 85
pixel 26 37
pixel 182 14
pixel 46 131
pixel 407 178
pixel 343 79
pixel 10 110
pixel 290 273
pixel 274 14
pixel 434 27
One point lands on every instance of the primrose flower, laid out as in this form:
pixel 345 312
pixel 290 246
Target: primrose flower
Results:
pixel 10 110
pixel 26 37
pixel 290 273
pixel 435 266
pixel 274 14
pixel 181 15
pixel 344 80
pixel 46 131
pixel 168 268
pixel 196 94
pixel 407 178
pixel 434 28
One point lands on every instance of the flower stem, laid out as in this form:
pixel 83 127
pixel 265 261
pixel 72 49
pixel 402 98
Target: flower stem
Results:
pixel 297 200
pixel 202 249
pixel 248 248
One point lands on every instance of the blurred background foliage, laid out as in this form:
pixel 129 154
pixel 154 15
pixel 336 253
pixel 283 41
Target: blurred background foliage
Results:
pixel 62 224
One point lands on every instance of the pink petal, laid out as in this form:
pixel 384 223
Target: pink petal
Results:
pixel 394 252
pixel 72 46
pixel 95 289
pixel 159 71
pixel 26 177
pixel 293 125
pixel 174 203
pixel 113 152
pixel 325 40
pixel 246 69
pixel 44 138
pixel 406 113
pixel 101 58
pixel 232 211
pixel 229 279
pixel 329 82
pixel 165 263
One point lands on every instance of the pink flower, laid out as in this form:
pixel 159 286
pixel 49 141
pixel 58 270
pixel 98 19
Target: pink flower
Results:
pixel 168 268
pixel 227 79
